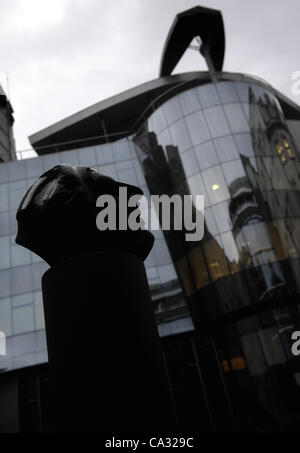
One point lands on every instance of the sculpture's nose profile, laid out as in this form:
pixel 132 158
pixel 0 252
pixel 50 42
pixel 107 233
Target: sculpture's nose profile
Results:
pixel 57 216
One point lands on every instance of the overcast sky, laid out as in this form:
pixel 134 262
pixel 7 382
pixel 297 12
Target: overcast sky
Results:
pixel 64 55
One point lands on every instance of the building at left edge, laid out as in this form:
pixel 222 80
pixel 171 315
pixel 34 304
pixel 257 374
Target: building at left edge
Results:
pixel 7 143
pixel 225 306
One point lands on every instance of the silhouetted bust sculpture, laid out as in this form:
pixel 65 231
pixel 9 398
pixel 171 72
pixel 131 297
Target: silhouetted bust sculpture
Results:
pixel 97 306
pixel 57 216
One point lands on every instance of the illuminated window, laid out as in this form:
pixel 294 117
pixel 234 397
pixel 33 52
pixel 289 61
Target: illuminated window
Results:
pixel 288 148
pixel 284 150
pixel 279 147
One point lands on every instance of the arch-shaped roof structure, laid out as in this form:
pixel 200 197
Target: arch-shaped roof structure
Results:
pixel 198 21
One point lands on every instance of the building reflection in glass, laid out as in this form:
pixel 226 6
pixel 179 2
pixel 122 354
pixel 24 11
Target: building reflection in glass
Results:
pixel 242 280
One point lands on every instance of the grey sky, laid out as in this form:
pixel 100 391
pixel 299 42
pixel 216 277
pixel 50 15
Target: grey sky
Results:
pixel 64 55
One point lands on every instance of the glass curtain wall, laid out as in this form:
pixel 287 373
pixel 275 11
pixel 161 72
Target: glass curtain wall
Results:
pixel 21 308
pixel 230 142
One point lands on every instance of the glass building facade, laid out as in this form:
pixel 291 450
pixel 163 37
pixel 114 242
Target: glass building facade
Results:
pixel 21 310
pixel 231 142
pixel 226 306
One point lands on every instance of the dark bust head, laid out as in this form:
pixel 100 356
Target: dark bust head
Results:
pixel 57 216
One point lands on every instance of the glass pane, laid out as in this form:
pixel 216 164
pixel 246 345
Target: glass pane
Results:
pixel 38 269
pixel 206 155
pixel 164 138
pixel 294 228
pixel 277 173
pixel 172 110
pixel 246 108
pixel 125 165
pixel 292 171
pixel 197 188
pixel 151 272
pixel 217 122
pixel 87 156
pixel 21 279
pixel 50 160
pixel 244 144
pixel 104 154
pixel 13 226
pixel 208 95
pixel 161 252
pixel 262 166
pixel 243 91
pixel 289 201
pixel 4 252
pixel 23 344
pixel 39 311
pixel 236 177
pixel 189 162
pixel 128 176
pixel 258 243
pixel 210 222
pixel 198 267
pixel 227 92
pixel 215 258
pixel 69 157
pixel 185 276
pixel 34 167
pixel 215 185
pixel 226 148
pixel 19 255
pixel 16 170
pixel 158 121
pixel 245 258
pixel 281 240
pixel 231 251
pixel 3 173
pixel 197 127
pixel 22 299
pixel 5 316
pixel 180 136
pixel 189 101
pixel 121 150
pixel 5 281
pixel 23 320
pixel 3 197
pixel 236 117
pixel 167 273
pixel 222 217
pixel 109 170
pixel 4 224
pixel 15 198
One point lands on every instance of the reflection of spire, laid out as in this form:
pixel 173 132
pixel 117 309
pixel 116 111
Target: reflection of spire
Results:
pixel 266 124
pixel 164 173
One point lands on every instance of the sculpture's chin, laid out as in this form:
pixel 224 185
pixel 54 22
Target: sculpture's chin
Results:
pixel 63 244
pixel 139 243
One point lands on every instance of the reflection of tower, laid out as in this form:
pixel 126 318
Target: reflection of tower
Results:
pixel 165 174
pixel 248 206
pixel 168 298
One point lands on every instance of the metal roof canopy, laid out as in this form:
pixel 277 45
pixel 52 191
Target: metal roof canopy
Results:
pixel 199 21
pixel 120 112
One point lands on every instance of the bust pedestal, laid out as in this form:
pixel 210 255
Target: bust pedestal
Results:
pixel 104 349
